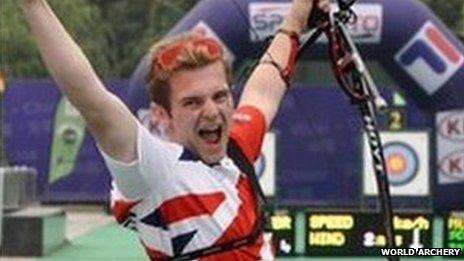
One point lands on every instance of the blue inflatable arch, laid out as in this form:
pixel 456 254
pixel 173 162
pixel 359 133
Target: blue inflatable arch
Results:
pixel 414 47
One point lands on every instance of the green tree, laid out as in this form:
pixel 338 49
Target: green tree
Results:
pixel 449 11
pixel 114 34
pixel 83 20
pixel 136 24
pixel 460 27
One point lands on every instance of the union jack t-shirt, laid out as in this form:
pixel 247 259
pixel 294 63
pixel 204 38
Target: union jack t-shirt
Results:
pixel 178 204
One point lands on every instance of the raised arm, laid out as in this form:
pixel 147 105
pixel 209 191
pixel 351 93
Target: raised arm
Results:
pixel 108 119
pixel 265 88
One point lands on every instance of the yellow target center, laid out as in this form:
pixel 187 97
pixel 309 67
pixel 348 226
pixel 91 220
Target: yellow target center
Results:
pixel 396 163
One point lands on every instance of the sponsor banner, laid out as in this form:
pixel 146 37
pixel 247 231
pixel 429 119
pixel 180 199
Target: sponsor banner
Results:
pixel 367 28
pixel 407 159
pixel 265 165
pixel 266 18
pixel 429 58
pixel 450 146
pixel 204 29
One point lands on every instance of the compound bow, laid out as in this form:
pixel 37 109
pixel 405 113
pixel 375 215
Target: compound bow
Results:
pixel 355 80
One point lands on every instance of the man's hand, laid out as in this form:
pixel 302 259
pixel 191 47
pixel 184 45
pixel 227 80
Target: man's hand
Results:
pixel 28 5
pixel 297 18
pixel 26 2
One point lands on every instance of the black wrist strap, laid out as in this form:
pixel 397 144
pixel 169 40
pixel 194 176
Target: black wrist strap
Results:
pixel 286 72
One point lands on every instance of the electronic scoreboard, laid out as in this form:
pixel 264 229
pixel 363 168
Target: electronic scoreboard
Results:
pixel 282 224
pixel 360 234
pixel 453 231
pixel 350 233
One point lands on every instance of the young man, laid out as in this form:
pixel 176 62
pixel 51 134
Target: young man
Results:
pixel 186 193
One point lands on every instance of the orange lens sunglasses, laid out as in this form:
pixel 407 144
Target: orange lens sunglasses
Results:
pixel 168 58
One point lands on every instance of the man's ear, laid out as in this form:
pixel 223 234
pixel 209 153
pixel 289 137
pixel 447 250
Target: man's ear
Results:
pixel 159 116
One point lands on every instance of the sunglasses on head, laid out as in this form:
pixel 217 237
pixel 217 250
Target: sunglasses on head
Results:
pixel 169 59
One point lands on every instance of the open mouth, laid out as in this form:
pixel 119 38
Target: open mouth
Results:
pixel 212 135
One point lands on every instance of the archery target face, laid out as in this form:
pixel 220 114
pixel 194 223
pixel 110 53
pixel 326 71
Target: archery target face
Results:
pixel 401 161
pixel 407 161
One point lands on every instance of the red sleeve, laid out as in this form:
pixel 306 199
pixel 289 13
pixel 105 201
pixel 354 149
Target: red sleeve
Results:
pixel 248 129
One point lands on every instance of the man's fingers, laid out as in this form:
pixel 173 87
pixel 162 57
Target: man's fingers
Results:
pixel 324 5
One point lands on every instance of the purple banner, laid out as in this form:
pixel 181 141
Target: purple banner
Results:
pixel 29 116
pixel 412 44
pixel 318 132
